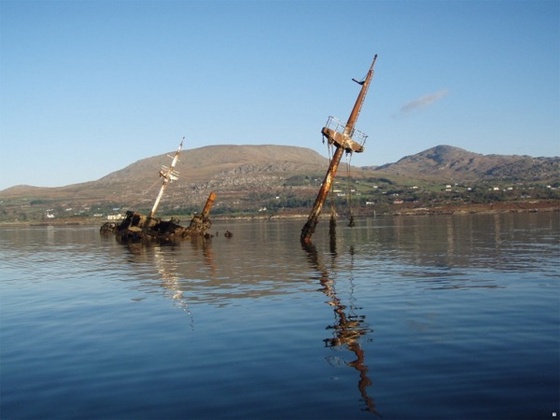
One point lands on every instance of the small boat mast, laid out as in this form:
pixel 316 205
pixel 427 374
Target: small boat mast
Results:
pixel 169 174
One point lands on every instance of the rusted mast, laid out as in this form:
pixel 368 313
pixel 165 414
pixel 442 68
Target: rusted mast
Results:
pixel 168 175
pixel 343 141
pixel 209 204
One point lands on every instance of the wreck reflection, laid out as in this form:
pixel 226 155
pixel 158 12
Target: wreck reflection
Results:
pixel 348 328
pixel 204 246
pixel 165 259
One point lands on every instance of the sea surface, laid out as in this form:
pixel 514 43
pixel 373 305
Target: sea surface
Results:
pixel 432 317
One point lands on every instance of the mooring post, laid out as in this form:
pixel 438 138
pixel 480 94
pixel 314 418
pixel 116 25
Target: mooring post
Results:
pixel 342 141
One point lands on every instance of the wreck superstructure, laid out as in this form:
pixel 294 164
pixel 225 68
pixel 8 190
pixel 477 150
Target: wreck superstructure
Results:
pixel 169 174
pixel 345 138
pixel 137 227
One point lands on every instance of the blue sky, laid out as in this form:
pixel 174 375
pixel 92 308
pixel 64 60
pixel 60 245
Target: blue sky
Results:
pixel 89 87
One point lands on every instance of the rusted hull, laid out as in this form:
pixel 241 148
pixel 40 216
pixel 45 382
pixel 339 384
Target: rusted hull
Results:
pixel 137 227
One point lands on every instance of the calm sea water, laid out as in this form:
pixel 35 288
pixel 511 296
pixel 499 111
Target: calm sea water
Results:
pixel 401 318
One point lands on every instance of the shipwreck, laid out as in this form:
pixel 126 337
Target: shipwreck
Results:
pixel 138 227
pixel 345 138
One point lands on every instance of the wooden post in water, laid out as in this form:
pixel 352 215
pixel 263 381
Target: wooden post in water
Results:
pixel 343 141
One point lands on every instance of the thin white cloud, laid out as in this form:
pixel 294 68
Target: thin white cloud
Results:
pixel 422 102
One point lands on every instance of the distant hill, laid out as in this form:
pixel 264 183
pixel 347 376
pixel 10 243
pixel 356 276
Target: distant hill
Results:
pixel 229 169
pixel 248 174
pixel 454 164
pixel 204 163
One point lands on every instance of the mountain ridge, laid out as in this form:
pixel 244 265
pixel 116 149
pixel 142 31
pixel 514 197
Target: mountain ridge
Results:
pixel 240 168
pixel 250 180
pixel 457 164
pixel 436 163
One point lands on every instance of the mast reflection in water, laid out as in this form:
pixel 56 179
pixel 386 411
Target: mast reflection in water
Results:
pixel 348 328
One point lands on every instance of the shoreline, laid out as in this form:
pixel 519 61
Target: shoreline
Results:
pixel 532 206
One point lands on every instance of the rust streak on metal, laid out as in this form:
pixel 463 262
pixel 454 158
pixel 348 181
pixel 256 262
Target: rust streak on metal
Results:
pixel 309 227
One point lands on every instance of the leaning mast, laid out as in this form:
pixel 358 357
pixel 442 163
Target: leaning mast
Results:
pixel 169 174
pixel 345 138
